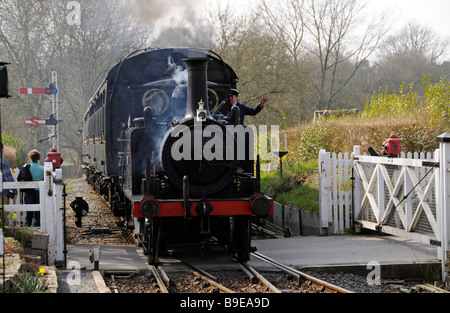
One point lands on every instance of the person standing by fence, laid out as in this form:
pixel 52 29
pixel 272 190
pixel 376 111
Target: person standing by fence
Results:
pixel 8 178
pixel 32 196
pixel 391 147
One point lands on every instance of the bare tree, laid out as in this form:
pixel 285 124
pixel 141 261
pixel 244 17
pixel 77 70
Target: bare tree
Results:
pixel 30 40
pixel 286 21
pixel 410 54
pixel 262 62
pixel 336 36
pixel 37 38
pixel 417 41
pixel 286 24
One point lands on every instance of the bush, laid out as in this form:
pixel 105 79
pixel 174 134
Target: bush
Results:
pixel 24 236
pixel 421 115
pixel 313 139
pixel 416 116
pixel 20 156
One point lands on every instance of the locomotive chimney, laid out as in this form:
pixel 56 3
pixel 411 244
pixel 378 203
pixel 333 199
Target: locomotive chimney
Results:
pixel 197 85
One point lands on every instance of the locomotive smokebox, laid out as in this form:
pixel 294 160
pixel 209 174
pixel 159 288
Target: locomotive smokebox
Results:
pixel 197 85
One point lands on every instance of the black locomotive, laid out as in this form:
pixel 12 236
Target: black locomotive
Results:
pixel 162 144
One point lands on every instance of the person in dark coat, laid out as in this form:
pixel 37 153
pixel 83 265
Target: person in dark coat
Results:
pixel 32 196
pixel 383 151
pixel 245 110
pixel 372 151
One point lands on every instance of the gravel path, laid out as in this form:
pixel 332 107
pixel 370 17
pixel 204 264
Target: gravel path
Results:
pixel 68 282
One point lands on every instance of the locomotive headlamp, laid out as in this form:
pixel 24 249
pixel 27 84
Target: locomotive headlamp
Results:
pixel 261 206
pixel 201 112
pixel 149 207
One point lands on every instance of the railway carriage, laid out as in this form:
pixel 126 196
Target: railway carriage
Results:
pixel 161 143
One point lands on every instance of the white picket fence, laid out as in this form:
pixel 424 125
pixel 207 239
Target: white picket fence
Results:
pixel 335 192
pixel 50 207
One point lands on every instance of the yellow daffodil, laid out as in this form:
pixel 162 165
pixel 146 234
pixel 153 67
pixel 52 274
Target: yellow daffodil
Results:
pixel 42 271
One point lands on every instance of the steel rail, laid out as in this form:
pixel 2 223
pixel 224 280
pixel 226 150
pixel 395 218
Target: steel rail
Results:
pixel 281 266
pixel 213 282
pixel 248 273
pixel 159 280
pixel 203 275
pixel 262 279
pixel 432 288
pixel 329 288
pixel 194 268
pixel 268 232
pixel 164 276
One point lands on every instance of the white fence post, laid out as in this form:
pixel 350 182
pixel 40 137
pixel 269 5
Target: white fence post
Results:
pixel 357 188
pixel 444 142
pixel 49 209
pixel 58 185
pixel 324 191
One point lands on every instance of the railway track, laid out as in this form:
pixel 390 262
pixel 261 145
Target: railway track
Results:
pixel 137 281
pixel 247 270
pixel 191 280
pixel 197 280
pixel 299 276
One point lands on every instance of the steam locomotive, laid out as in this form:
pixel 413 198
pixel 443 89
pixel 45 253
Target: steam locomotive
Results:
pixel 162 144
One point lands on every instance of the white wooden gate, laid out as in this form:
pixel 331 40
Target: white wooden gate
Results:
pixel 370 191
pixel 407 196
pixel 398 196
pixel 50 207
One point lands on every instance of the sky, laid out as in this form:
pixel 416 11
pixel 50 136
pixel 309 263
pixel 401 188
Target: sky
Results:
pixel 433 13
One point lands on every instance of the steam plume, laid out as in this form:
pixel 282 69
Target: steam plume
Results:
pixel 177 22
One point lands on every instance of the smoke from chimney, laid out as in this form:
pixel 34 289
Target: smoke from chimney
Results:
pixel 176 22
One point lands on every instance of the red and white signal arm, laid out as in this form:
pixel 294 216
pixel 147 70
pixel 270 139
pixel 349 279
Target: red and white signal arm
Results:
pixel 35 122
pixel 32 91
pixel 38 91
